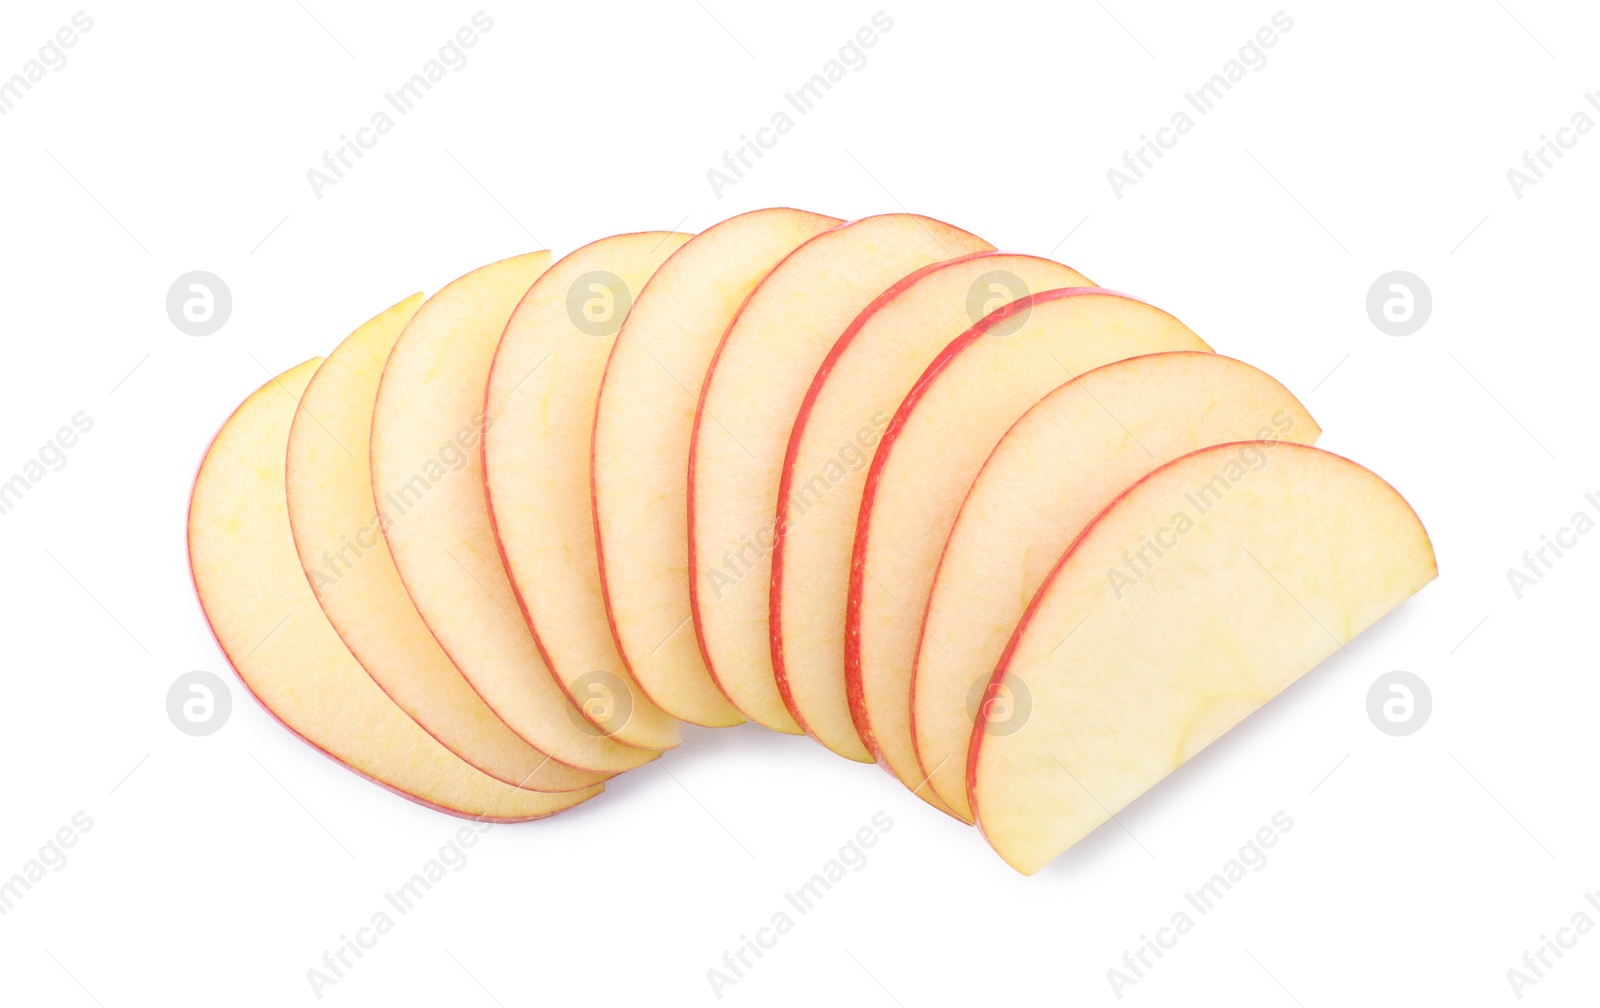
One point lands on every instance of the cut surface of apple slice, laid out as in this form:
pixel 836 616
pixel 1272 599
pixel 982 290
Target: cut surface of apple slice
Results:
pixel 940 436
pixel 267 621
pixel 864 378
pixel 536 454
pixel 752 394
pixel 427 475
pixel 643 423
pixel 339 535
pixel 1134 657
pixel 1068 458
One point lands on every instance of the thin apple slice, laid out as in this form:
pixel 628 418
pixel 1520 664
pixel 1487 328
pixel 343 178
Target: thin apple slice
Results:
pixel 536 452
pixel 643 423
pixel 427 476
pixel 861 382
pixel 967 399
pixel 1135 654
pixel 267 621
pixel 752 394
pixel 1055 469
pixel 339 535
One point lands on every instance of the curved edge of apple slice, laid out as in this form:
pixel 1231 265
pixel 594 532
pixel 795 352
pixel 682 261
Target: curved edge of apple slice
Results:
pixel 954 791
pixel 715 710
pixel 756 648
pixel 858 551
pixel 695 609
pixel 409 666
pixel 1030 861
pixel 790 457
pixel 526 705
pixel 656 730
pixel 525 805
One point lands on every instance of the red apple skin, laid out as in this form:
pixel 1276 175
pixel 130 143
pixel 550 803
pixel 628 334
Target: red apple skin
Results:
pixel 287 727
pixel 915 745
pixel 425 620
pixel 982 720
pixel 599 540
pixel 694 443
pixel 852 631
pixel 522 609
pixel 998 675
pixel 694 573
pixel 505 561
pixel 433 735
pixel 786 481
pixel 430 624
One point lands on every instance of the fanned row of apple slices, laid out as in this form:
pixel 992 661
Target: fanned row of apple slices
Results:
pixel 1026 542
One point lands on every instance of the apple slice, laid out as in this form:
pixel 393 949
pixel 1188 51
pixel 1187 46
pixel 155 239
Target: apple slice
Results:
pixel 864 378
pixel 752 394
pixel 966 400
pixel 267 621
pixel 1055 469
pixel 339 535
pixel 427 476
pixel 1196 597
pixel 541 402
pixel 642 426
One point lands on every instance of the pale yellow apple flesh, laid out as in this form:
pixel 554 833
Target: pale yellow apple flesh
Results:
pixel 1132 661
pixel 339 535
pixel 1060 465
pixel 536 453
pixel 855 392
pixel 752 394
pixel 643 423
pixel 938 440
pixel 267 621
pixel 427 476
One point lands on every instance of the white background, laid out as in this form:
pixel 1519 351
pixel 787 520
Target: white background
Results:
pixel 1377 137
